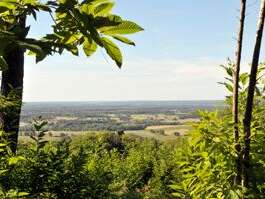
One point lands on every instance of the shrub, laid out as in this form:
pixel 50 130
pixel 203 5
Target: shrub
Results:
pixel 93 166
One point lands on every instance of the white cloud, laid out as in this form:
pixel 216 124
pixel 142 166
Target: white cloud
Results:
pixel 141 79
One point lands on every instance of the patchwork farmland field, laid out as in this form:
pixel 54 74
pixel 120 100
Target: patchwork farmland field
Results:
pixel 160 120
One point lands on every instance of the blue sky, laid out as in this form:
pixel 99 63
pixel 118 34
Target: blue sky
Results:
pixel 177 57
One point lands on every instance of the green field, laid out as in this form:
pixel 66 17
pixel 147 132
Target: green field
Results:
pixel 169 133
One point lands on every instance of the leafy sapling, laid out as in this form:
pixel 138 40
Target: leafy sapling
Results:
pixel 38 132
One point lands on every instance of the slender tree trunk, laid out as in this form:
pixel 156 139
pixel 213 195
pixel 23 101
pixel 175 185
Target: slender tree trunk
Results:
pixel 12 81
pixel 236 87
pixel 250 97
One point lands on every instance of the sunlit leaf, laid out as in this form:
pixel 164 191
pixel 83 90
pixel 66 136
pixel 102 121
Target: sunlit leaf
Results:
pixel 113 51
pixel 123 39
pixel 125 27
pixel 89 47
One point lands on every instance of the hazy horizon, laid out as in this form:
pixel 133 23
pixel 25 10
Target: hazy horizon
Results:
pixel 92 101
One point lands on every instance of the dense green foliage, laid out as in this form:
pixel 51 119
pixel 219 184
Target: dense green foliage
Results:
pixel 97 165
pixel 104 165
pixel 8 161
pixel 87 24
pixel 207 160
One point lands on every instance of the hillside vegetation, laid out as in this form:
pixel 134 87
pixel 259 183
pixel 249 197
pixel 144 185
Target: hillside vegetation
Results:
pixel 108 165
pixel 220 154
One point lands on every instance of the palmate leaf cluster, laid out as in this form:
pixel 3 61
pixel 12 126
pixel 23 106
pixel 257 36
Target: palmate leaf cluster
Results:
pixel 206 161
pixel 38 133
pixel 243 81
pixel 86 24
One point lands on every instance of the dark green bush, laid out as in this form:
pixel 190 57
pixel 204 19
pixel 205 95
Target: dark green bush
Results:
pixel 93 165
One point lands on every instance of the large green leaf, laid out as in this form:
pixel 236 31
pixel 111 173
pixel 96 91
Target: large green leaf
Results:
pixel 228 69
pixel 74 50
pixel 38 48
pixel 125 27
pixel 3 64
pixel 232 195
pixel 87 9
pixel 89 6
pixel 72 39
pixel 89 47
pixel 113 51
pixel 104 8
pixel 103 22
pixel 15 160
pixel 85 24
pixel 244 78
pixel 8 4
pixel 32 47
pixel 123 39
